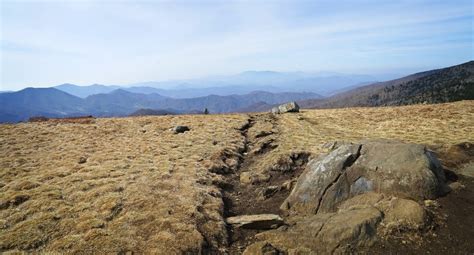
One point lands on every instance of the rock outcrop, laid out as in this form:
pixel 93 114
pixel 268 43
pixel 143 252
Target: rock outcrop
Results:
pixel 356 193
pixel 388 167
pixel 326 233
pixel 358 222
pixel 284 108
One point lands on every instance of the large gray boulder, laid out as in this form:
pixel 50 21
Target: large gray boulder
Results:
pixel 288 107
pixel 388 167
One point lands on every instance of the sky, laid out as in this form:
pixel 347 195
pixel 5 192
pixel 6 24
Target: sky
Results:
pixel 46 43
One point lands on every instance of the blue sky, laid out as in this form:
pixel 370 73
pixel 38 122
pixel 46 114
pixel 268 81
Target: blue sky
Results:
pixel 122 42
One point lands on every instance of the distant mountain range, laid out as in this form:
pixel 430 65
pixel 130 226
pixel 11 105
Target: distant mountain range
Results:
pixel 52 102
pixel 18 106
pixel 436 86
pixel 68 100
pixel 276 82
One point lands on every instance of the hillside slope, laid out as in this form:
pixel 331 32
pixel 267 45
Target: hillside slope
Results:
pixel 130 185
pixel 17 106
pixel 436 86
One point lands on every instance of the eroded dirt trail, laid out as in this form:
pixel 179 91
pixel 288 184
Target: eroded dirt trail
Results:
pixel 264 192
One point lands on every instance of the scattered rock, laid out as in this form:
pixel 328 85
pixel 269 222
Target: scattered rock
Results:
pixel 224 162
pixel 264 146
pixel 263 133
pixel 268 192
pixel 284 108
pixel 261 248
pixel 289 162
pixel 15 201
pixel 388 167
pixel 467 169
pixel 254 178
pixel 82 160
pixel 180 129
pixel 431 203
pixel 257 221
pixel 3 224
pixel 288 185
pixel 456 186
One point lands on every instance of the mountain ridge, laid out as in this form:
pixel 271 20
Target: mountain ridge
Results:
pixel 51 102
pixel 320 83
pixel 434 86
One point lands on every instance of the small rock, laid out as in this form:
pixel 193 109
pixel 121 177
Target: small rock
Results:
pixel 180 129
pixel 82 160
pixel 456 186
pixel 263 133
pixel 431 203
pixel 257 221
pixel 3 224
pixel 284 108
pixel 261 248
pixel 253 178
pixel 288 185
pixel 269 191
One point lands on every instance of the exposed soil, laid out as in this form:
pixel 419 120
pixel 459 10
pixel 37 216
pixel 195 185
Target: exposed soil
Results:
pixel 454 236
pixel 244 199
pixel 454 219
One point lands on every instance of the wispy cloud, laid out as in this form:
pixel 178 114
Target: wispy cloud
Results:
pixel 46 43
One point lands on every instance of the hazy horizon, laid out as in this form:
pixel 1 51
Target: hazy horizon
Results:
pixel 377 77
pixel 120 43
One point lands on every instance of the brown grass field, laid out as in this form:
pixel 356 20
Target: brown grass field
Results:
pixel 121 185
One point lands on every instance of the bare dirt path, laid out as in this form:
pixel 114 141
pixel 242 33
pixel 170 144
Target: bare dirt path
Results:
pixel 248 198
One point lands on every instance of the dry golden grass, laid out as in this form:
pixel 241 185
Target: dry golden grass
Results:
pixel 142 187
pixel 309 130
pixel 147 190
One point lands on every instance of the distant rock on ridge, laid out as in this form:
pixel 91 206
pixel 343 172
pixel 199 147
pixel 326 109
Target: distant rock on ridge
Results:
pixel 284 108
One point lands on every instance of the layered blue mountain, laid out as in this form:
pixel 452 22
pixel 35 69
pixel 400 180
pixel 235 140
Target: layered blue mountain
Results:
pixel 276 82
pixel 435 86
pixel 85 91
pixel 51 102
pixel 18 106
